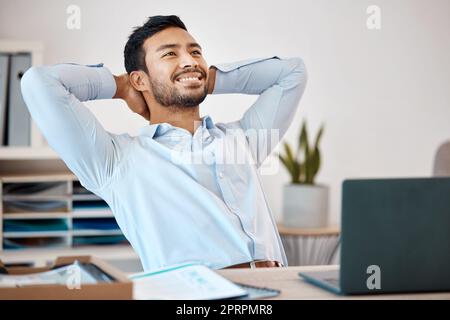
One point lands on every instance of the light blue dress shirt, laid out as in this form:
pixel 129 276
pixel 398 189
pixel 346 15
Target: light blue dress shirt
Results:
pixel 177 197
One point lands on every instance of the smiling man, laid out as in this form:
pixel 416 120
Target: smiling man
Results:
pixel 173 189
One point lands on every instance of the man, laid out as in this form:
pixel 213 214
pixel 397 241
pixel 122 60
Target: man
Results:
pixel 173 193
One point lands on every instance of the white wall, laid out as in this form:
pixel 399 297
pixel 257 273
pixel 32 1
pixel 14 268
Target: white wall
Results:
pixel 383 95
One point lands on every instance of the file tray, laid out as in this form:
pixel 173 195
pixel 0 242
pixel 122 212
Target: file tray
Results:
pixel 69 278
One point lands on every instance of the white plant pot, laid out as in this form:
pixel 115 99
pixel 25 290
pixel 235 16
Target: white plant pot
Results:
pixel 305 206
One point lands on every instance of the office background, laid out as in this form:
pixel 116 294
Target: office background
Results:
pixel 382 94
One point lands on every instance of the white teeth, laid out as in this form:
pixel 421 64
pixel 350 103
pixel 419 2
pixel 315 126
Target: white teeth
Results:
pixel 188 79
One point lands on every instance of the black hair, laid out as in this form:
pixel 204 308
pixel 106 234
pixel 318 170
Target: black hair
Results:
pixel 134 52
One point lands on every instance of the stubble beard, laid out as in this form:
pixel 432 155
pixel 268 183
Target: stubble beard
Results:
pixel 171 97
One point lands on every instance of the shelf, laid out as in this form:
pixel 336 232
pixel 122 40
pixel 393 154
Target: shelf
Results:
pixel 85 197
pixel 93 214
pixel 33 215
pixel 36 197
pixel 81 233
pixel 27 153
pixel 38 177
pixel 18 46
pixel 35 234
pixel 41 256
pixel 71 203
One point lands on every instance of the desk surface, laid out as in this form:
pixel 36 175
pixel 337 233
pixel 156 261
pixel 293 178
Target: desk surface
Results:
pixel 294 287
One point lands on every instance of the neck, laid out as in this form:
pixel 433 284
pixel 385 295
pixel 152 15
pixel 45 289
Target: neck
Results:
pixel 188 118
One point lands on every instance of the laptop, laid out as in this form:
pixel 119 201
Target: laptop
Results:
pixel 395 237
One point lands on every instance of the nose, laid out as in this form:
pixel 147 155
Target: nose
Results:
pixel 188 61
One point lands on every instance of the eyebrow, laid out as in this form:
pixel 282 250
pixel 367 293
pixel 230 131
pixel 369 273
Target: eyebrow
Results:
pixel 172 45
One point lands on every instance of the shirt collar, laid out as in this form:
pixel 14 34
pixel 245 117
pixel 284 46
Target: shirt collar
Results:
pixel 158 129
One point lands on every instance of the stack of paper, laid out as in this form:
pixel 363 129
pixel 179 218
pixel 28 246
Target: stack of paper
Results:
pixel 63 275
pixel 184 282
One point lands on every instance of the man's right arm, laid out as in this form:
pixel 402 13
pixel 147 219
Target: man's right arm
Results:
pixel 54 96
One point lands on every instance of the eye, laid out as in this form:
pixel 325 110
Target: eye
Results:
pixel 197 52
pixel 171 53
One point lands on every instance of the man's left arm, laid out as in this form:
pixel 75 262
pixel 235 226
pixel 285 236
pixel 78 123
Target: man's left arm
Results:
pixel 280 84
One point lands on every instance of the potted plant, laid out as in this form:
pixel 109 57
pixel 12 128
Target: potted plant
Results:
pixel 305 203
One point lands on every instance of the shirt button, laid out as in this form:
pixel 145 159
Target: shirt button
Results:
pixel 221 174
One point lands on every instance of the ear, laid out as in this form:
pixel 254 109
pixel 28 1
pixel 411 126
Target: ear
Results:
pixel 139 80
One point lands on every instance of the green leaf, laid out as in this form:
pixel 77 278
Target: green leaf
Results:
pixel 303 171
pixel 287 164
pixel 316 156
pixel 290 163
pixel 308 169
pixel 318 137
pixel 289 154
pixel 297 171
pixel 315 164
pixel 303 143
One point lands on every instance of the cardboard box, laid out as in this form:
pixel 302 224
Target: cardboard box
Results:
pixel 121 288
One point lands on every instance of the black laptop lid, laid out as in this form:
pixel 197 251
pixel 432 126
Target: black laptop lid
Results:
pixel 402 227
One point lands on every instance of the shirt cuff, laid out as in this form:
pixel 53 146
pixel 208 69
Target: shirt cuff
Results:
pixel 225 79
pixel 108 87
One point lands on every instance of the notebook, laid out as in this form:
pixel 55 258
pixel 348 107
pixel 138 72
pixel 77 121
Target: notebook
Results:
pixel 192 282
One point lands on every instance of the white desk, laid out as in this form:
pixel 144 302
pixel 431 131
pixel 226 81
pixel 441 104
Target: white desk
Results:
pixel 294 287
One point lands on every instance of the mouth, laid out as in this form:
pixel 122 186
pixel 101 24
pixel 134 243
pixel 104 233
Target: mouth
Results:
pixel 190 79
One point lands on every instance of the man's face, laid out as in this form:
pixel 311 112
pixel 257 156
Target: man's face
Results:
pixel 177 71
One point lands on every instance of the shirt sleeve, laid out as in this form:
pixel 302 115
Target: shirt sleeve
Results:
pixel 54 96
pixel 280 84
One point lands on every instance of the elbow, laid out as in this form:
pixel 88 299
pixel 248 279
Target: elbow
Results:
pixel 300 71
pixel 296 74
pixel 28 84
pixel 30 80
pixel 27 79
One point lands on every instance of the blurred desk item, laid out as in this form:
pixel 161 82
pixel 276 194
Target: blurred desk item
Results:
pixel 310 246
